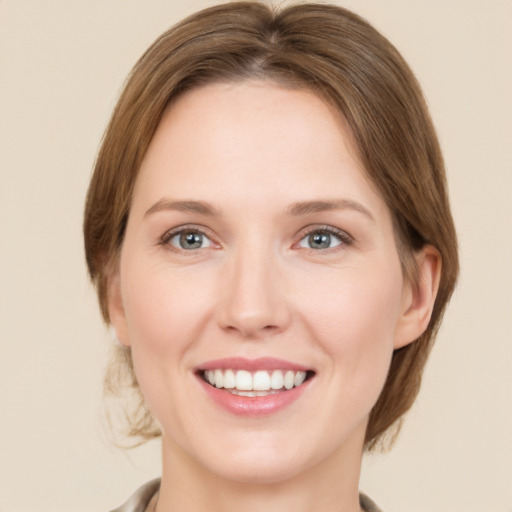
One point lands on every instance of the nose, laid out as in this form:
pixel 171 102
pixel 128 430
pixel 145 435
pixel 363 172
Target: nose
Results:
pixel 253 298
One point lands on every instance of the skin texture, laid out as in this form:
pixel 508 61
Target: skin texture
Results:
pixel 257 288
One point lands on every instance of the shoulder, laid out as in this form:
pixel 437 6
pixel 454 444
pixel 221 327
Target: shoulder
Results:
pixel 140 499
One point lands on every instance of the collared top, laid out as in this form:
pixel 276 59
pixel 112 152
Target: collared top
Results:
pixel 139 501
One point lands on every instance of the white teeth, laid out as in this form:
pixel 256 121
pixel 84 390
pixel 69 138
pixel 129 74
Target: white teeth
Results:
pixel 229 379
pixel 277 380
pixel 253 393
pixel 219 379
pixel 260 383
pixel 300 377
pixel 243 380
pixel 289 379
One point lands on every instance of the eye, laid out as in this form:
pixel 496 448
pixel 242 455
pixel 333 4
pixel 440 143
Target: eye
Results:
pixel 323 239
pixel 188 240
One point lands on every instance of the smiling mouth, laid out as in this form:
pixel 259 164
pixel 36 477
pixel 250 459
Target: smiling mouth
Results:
pixel 254 384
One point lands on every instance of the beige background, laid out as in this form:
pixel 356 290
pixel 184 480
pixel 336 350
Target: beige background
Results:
pixel 62 64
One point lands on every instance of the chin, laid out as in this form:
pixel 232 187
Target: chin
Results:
pixel 252 470
pixel 265 458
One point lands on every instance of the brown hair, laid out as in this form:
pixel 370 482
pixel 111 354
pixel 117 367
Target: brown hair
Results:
pixel 334 53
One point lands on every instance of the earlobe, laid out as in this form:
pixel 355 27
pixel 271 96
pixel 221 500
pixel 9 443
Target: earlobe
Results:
pixel 116 309
pixel 420 297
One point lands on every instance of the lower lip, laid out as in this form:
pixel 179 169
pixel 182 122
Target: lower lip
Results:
pixel 253 405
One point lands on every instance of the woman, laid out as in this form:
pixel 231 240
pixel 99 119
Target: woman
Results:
pixel 270 235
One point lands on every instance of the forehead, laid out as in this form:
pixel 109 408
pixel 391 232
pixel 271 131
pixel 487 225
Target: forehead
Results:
pixel 227 140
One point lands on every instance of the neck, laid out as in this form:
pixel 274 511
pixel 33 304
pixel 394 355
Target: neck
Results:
pixel 330 485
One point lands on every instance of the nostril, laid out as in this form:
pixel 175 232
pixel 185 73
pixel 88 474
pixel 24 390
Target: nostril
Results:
pixel 252 309
pixel 249 329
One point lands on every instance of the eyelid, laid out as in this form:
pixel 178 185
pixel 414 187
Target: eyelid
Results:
pixel 195 228
pixel 346 238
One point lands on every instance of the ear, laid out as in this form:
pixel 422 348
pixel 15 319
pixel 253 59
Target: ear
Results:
pixel 116 310
pixel 419 297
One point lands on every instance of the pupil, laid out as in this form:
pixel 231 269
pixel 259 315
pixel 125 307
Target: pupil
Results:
pixel 191 240
pixel 320 240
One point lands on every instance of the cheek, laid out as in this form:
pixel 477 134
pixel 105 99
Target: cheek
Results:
pixel 165 315
pixel 354 319
pixel 162 309
pixel 354 304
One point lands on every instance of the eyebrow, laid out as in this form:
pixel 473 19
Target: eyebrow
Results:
pixel 307 207
pixel 184 206
pixel 295 209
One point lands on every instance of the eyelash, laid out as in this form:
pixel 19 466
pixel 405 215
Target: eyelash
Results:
pixel 344 238
pixel 169 235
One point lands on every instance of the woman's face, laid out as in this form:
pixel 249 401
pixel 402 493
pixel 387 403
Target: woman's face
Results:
pixel 258 256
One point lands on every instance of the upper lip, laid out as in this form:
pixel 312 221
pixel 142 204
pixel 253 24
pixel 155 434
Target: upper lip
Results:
pixel 252 365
